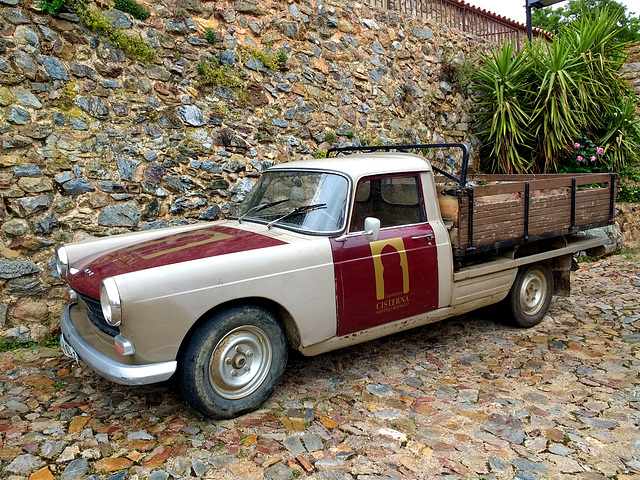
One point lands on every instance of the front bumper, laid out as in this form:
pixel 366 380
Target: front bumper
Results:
pixel 107 367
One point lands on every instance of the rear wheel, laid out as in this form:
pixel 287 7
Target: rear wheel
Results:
pixel 530 296
pixel 233 362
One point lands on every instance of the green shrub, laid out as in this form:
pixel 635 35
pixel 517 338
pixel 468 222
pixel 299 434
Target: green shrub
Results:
pixel 213 73
pixel 629 185
pixel 211 36
pixel 51 6
pixel 98 23
pixel 282 56
pixel 459 74
pixel 627 194
pixel 132 7
pixel 181 14
pixel 271 60
pixel 9 343
pixel 330 137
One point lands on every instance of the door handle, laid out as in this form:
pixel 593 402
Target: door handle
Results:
pixel 428 236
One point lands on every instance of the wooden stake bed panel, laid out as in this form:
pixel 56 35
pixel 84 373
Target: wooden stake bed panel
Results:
pixel 527 208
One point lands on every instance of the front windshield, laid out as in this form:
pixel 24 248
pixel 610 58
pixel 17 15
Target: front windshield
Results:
pixel 305 200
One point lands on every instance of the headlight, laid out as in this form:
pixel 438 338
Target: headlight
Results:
pixel 110 302
pixel 62 262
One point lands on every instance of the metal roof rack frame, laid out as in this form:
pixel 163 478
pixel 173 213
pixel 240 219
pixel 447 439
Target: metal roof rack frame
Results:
pixel 461 181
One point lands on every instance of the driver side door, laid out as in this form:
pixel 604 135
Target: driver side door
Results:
pixel 395 276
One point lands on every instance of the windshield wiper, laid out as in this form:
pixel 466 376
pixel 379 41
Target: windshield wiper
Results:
pixel 260 207
pixel 301 209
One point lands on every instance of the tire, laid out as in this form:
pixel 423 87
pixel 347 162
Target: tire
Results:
pixel 530 296
pixel 233 362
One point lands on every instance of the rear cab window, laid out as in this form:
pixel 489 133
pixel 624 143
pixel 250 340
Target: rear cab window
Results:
pixel 394 200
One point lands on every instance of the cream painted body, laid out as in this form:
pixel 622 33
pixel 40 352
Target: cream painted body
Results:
pixel 443 243
pixel 160 305
pixel 298 277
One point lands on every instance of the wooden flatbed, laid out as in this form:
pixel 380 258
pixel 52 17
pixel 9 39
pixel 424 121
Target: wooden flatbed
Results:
pixel 497 211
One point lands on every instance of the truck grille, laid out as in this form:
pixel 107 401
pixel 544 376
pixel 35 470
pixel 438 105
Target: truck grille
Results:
pixel 94 312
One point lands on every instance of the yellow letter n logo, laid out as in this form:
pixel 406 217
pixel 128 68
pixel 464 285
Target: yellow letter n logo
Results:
pixel 390 256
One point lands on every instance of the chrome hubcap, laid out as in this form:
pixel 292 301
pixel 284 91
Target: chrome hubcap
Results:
pixel 533 292
pixel 240 362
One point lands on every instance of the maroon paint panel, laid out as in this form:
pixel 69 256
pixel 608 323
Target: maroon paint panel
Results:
pixel 173 248
pixel 379 282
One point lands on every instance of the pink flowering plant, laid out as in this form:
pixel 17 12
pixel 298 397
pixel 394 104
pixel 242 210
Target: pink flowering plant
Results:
pixel 586 157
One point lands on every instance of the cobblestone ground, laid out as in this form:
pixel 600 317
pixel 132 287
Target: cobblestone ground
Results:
pixel 467 398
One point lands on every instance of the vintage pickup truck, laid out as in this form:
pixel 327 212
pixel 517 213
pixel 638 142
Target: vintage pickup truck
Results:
pixel 323 254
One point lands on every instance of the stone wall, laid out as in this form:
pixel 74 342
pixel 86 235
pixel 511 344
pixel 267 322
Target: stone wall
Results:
pixel 631 70
pixel 629 220
pixel 629 214
pixel 95 143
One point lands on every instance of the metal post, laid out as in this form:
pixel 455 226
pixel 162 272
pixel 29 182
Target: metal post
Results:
pixel 527 205
pixel 536 4
pixel 574 193
pixel 464 19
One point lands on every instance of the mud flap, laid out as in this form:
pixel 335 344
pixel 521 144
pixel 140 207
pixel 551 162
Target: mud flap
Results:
pixel 562 268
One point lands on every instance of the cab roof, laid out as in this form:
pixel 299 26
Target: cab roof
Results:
pixel 362 164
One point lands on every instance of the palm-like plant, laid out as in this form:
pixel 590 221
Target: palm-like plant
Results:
pixel 622 135
pixel 560 107
pixel 504 109
pixel 533 104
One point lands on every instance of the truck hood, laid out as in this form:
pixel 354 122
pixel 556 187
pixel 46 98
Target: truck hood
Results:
pixel 86 274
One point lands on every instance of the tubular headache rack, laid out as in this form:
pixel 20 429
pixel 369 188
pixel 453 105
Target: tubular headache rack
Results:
pixel 461 180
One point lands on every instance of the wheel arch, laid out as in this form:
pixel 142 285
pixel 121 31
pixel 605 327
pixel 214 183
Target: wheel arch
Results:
pixel 561 267
pixel 280 312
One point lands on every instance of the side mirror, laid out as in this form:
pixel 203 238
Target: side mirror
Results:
pixel 372 228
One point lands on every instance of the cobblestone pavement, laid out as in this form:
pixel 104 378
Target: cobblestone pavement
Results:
pixel 466 398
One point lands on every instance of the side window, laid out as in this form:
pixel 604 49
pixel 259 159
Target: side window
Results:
pixel 395 201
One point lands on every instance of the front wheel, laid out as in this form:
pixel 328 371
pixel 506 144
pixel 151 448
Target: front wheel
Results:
pixel 530 296
pixel 233 362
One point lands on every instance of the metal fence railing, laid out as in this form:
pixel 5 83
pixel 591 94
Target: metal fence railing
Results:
pixel 457 14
